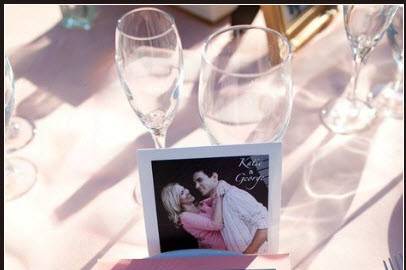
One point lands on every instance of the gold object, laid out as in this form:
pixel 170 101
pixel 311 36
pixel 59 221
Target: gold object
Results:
pixel 298 28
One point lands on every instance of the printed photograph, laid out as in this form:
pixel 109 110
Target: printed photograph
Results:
pixel 212 203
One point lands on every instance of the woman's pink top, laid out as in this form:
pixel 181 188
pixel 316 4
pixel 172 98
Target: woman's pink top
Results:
pixel 201 226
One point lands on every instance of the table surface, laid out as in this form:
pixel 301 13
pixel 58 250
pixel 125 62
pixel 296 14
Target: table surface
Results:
pixel 342 195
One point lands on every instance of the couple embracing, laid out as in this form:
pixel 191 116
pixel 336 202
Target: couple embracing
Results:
pixel 229 218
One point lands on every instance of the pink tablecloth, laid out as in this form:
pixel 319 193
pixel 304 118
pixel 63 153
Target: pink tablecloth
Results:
pixel 342 195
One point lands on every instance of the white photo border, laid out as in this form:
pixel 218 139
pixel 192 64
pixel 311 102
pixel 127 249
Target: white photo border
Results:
pixel 146 156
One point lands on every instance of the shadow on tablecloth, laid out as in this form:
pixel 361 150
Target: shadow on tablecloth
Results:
pixel 71 65
pixel 395 233
pixel 120 166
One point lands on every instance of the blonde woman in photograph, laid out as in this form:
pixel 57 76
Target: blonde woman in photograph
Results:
pixel 203 220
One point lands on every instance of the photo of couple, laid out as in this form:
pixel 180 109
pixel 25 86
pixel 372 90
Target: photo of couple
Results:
pixel 213 203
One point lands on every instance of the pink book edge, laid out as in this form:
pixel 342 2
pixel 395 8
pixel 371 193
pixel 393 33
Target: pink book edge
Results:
pixel 277 261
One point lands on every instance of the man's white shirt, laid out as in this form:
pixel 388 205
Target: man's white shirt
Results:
pixel 242 216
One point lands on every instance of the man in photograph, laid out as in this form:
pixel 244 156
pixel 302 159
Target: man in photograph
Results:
pixel 245 219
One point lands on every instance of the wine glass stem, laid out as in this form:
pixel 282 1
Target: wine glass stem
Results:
pixel 354 79
pixel 159 137
pixel 8 169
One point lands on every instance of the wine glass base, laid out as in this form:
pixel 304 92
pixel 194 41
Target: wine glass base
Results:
pixel 20 177
pixel 387 100
pixel 344 116
pixel 19 133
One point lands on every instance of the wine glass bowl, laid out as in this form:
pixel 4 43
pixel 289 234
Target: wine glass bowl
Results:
pixel 150 66
pixel 365 26
pixel 245 85
pixel 395 37
pixel 388 99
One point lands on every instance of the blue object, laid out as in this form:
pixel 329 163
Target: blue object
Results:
pixel 78 16
pixel 195 252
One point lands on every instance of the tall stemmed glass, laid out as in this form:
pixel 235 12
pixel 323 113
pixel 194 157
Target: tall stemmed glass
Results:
pixel 245 86
pixel 20 132
pixel 390 99
pixel 19 174
pixel 150 66
pixel 365 26
pixel 149 61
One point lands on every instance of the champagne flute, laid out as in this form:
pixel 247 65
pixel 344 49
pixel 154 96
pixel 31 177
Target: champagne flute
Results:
pixel 19 174
pixel 149 61
pixel 364 26
pixel 390 99
pixel 245 85
pixel 150 66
